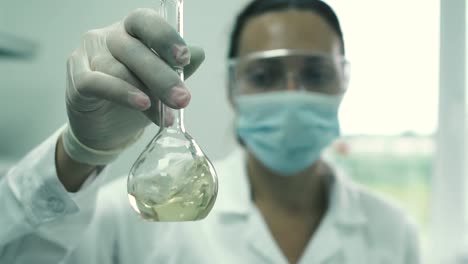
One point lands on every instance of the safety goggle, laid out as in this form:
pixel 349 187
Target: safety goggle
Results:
pixel 285 69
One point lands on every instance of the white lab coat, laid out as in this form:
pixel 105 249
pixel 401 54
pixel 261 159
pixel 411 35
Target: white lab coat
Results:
pixel 40 223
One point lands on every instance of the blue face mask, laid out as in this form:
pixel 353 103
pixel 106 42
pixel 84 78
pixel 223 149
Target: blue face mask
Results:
pixel 287 131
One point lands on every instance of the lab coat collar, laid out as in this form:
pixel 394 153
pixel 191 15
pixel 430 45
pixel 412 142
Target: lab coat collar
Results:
pixel 340 226
pixel 234 192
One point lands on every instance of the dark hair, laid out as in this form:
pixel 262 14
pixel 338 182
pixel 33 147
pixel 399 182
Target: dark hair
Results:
pixel 258 7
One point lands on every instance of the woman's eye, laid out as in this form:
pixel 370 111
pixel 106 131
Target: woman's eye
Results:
pixel 317 77
pixel 263 78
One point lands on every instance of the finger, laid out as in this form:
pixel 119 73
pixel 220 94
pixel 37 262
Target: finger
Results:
pixel 151 29
pixel 152 113
pixel 197 58
pixel 87 95
pixel 77 64
pixel 161 80
pixel 111 66
pixel 103 86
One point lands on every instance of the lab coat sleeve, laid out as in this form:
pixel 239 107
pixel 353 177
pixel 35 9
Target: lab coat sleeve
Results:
pixel 40 222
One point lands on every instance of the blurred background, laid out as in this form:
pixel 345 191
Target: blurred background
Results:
pixel 403 119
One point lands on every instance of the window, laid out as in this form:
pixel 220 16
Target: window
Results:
pixel 389 115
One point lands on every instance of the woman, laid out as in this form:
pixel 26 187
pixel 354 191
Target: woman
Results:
pixel 279 202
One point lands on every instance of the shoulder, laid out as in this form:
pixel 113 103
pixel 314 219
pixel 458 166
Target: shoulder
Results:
pixel 384 217
pixel 378 207
pixel 389 226
pixel 386 227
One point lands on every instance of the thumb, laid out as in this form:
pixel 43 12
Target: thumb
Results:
pixel 197 56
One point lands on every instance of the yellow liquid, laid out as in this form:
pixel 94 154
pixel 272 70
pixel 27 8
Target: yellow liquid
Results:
pixel 187 196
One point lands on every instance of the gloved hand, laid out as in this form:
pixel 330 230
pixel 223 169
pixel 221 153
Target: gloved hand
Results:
pixel 115 82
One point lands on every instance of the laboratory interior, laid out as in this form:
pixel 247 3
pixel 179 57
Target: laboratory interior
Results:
pixel 402 143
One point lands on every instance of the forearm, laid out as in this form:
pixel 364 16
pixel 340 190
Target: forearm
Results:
pixel 38 213
pixel 72 174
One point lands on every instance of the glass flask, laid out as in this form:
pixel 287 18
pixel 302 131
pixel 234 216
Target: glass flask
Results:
pixel 172 179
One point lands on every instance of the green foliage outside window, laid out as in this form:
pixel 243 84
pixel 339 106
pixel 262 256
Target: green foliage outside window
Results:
pixel 399 168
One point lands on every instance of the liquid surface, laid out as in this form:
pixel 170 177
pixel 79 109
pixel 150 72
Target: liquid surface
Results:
pixel 185 191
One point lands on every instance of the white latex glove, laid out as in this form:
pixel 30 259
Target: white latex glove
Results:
pixel 115 82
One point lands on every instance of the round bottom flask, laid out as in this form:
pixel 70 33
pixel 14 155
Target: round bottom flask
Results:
pixel 172 180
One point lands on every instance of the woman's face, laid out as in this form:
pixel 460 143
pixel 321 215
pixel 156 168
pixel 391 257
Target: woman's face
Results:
pixel 291 29
pixel 279 51
pixel 315 62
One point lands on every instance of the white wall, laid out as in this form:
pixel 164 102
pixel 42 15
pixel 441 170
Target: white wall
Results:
pixel 449 193
pixel 32 92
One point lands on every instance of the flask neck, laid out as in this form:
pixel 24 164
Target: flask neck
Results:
pixel 172 119
pixel 173 12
